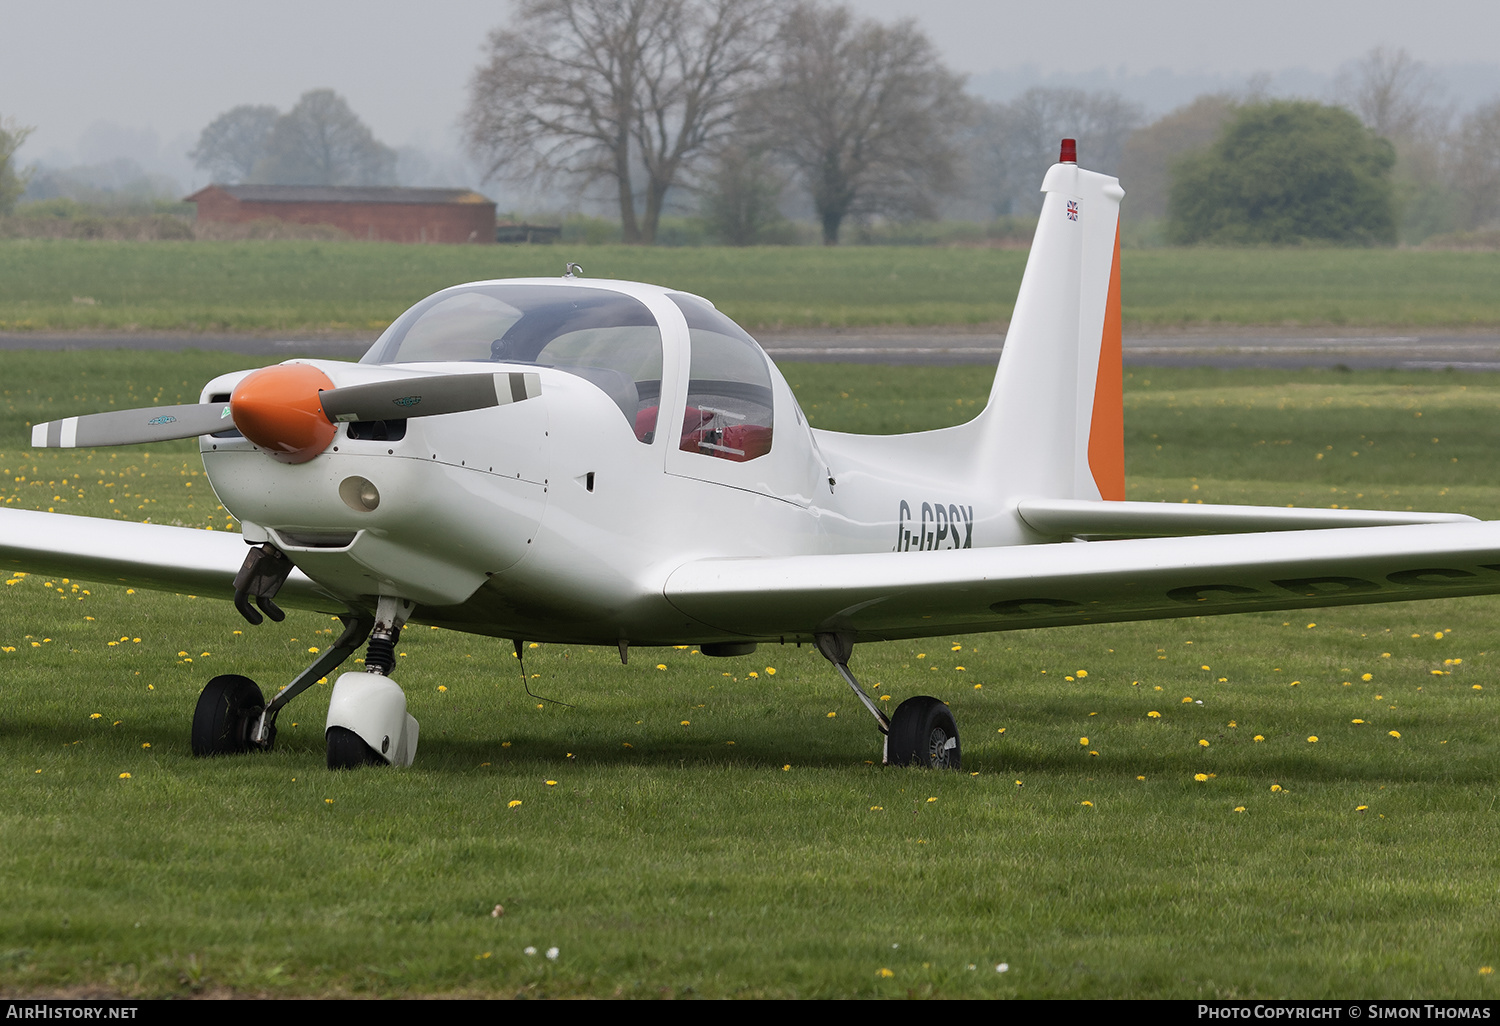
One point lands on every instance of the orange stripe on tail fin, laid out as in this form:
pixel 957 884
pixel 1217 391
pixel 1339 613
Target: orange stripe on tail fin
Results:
pixel 1107 428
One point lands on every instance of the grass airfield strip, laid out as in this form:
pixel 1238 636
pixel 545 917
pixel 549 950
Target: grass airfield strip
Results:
pixel 359 287
pixel 705 827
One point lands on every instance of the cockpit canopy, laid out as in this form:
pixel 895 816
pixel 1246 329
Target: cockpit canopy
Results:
pixel 609 339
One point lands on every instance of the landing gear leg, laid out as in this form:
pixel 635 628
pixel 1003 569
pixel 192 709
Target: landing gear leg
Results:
pixel 356 629
pixel 922 733
pixel 231 715
pixel 837 648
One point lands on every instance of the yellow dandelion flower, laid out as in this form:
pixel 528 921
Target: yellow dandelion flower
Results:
pixel 1486 970
pixel 513 803
pixel 1200 777
pixel 831 715
pixel 1233 724
pixel 1478 687
pixel 1312 739
pixel 1153 714
pixel 442 687
pixel 752 673
pixel 1000 731
pixel 770 671
pixel 932 799
pixel 1437 635
pixel 1083 741
pixel 124 776
pixel 551 783
pixel 661 666
pixel 686 723
pixel 627 744
pixel 95 716
pixel 1361 808
pixel 1395 733
pixel 877 808
pixel 1239 808
pixel 1202 742
pixel 977 687
pixel 1275 787
pixel 1356 721
pixel 1203 667
pixel 885 974
pixel 1367 676
pixel 1089 804
pixel 327 801
pixel 1081 673
pixel 313 650
pixel 786 767
pixel 1187 699
pixel 146 744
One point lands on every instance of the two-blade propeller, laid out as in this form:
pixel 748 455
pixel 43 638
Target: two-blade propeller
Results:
pixel 290 410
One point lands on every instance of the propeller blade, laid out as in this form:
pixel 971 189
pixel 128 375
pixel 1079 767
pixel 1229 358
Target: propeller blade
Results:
pixel 428 396
pixel 132 427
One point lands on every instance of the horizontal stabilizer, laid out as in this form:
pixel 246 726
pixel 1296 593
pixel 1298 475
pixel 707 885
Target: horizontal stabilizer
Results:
pixel 132 427
pixel 1082 518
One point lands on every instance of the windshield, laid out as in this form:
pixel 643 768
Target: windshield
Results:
pixel 604 337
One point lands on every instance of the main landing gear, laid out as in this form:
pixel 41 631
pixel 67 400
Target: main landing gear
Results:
pixel 921 733
pixel 367 719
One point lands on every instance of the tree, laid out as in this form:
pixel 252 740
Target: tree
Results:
pixel 1284 172
pixel 608 90
pixel 12 182
pixel 1476 166
pixel 1018 141
pixel 740 197
pixel 1393 94
pixel 321 141
pixel 1151 152
pixel 234 142
pixel 865 114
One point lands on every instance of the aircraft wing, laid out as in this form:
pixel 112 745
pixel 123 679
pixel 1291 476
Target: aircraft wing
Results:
pixel 153 556
pixel 1091 518
pixel 923 594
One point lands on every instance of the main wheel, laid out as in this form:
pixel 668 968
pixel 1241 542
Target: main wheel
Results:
pixel 227 709
pixel 347 750
pixel 923 734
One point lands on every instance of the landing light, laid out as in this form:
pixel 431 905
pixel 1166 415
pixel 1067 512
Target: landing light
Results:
pixel 359 494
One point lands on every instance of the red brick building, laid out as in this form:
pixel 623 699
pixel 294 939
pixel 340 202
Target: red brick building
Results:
pixel 365 212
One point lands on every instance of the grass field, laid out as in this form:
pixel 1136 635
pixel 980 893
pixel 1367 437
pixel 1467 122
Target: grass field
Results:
pixel 704 827
pixel 296 287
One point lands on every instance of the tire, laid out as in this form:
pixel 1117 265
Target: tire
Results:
pixel 226 711
pixel 347 750
pixel 923 734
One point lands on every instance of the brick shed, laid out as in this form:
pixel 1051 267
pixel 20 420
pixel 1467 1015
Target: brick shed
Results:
pixel 366 212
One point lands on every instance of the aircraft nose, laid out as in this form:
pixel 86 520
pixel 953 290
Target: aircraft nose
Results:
pixel 278 409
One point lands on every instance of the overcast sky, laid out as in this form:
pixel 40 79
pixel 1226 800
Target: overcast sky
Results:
pixel 95 76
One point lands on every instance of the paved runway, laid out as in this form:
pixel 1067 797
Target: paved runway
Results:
pixel 1229 347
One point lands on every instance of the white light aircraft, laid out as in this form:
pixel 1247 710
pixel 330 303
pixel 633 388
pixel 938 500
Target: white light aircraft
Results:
pixel 610 463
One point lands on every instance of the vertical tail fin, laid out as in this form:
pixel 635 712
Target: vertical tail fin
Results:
pixel 1054 426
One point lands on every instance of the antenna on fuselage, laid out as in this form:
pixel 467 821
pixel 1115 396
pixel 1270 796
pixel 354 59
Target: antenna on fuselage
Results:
pixel 525 684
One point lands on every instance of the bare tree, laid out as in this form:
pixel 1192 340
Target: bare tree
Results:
pixel 234 142
pixel 1018 140
pixel 321 141
pixel 740 194
pixel 12 182
pixel 614 89
pixel 1476 166
pixel 865 114
pixel 1393 94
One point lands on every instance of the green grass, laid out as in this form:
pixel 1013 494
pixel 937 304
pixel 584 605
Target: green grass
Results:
pixel 668 861
pixel 358 288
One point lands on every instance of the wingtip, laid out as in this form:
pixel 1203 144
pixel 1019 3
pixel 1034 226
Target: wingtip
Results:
pixel 39 436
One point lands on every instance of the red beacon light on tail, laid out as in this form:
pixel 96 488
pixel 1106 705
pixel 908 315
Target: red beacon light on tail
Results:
pixel 1069 152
